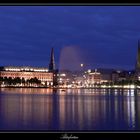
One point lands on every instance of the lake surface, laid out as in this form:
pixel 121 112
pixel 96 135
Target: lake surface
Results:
pixel 70 110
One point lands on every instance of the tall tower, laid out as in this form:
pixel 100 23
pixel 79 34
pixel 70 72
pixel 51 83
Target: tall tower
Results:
pixel 138 59
pixel 52 63
pixel 52 68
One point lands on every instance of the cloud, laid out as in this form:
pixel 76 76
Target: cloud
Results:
pixel 100 32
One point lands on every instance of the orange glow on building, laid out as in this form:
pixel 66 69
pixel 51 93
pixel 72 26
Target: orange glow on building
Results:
pixel 41 74
pixel 94 77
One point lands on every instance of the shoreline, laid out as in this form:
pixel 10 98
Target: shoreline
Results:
pixel 65 88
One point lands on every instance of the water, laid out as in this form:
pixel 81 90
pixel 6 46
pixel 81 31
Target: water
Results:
pixel 70 110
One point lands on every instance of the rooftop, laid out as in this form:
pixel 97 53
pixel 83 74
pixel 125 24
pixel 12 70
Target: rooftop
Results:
pixel 25 68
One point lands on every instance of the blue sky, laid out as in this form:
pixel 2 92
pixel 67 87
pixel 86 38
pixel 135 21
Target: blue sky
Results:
pixel 98 36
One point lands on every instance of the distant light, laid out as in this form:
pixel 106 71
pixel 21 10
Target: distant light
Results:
pixel 118 71
pixel 84 76
pixel 132 86
pixel 60 79
pixel 81 65
pixel 63 74
pixel 89 71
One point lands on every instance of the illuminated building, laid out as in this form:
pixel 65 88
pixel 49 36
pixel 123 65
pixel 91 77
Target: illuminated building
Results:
pixel 115 75
pixel 68 79
pixel 106 75
pixel 42 75
pixel 27 73
pixel 65 78
pixel 94 77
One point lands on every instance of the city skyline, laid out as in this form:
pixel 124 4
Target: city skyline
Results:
pixel 69 68
pixel 97 36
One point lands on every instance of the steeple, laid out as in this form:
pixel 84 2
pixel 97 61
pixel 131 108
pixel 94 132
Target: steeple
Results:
pixel 138 58
pixel 52 63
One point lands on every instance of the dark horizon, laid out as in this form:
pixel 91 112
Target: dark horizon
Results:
pixel 97 36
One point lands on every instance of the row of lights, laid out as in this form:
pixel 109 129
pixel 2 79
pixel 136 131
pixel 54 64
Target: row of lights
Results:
pixel 26 69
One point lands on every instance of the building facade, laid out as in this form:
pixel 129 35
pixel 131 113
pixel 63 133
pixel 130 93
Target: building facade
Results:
pixel 27 73
pixel 94 77
pixel 35 76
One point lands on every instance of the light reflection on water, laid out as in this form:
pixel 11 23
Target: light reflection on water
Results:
pixel 27 90
pixel 71 109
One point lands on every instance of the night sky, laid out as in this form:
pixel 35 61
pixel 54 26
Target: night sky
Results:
pixel 98 36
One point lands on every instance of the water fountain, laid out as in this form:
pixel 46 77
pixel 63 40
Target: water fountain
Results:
pixel 70 58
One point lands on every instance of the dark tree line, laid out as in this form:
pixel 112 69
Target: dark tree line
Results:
pixel 18 80
pixel 123 82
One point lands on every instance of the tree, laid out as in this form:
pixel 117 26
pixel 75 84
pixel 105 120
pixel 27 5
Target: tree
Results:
pixel 5 81
pixel 9 80
pixel 34 81
pixel 17 80
pixel 23 81
pixel 1 80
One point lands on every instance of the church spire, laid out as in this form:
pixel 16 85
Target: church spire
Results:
pixel 52 63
